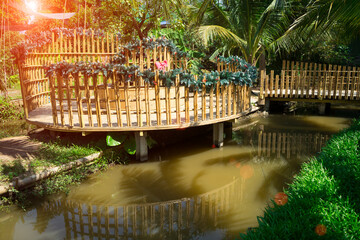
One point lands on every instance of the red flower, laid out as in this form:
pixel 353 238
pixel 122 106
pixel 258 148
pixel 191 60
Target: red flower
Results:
pixel 320 230
pixel 246 66
pixel 130 76
pixel 281 199
pixel 175 53
pixel 204 80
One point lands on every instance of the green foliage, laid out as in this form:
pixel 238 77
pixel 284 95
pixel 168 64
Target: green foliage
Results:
pixel 126 140
pixel 56 154
pixel 115 140
pixel 326 191
pixel 168 77
pixel 10 111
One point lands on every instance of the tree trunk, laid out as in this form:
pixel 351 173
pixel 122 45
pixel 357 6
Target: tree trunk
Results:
pixel 262 62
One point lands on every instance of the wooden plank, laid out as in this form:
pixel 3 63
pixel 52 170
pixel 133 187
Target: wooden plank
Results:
pixel 358 84
pixel 262 83
pixel 168 105
pixel 282 83
pixel 341 95
pixel 79 101
pixel 308 78
pixel 276 85
pixel 61 97
pixel 147 96
pixel 211 113
pixel 229 99
pixel 203 101
pixel 177 99
pixel 347 84
pixel 107 101
pixel 292 82
pixel 118 102
pixel 223 104
pixel 138 83
pixel 127 105
pixel 271 83
pixel 287 84
pixel 336 81
pixel 196 91
pixel 353 80
pixel 68 98
pixel 234 99
pixel 157 99
pixel 266 91
pixel 332 70
pixel 53 101
pixel 88 100
pixel 97 100
pixel 217 95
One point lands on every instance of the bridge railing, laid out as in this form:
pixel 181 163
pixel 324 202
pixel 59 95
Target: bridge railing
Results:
pixel 311 81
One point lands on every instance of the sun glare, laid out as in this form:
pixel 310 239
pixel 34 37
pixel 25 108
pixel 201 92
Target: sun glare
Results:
pixel 32 5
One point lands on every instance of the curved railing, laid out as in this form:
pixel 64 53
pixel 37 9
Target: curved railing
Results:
pixel 95 102
pixel 179 218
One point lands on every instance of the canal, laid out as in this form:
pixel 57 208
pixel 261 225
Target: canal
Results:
pixel 186 191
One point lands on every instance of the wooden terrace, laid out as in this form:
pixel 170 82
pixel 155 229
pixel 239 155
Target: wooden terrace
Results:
pixel 96 102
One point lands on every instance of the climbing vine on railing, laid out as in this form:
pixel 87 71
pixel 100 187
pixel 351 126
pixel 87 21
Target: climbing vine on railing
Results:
pixel 129 74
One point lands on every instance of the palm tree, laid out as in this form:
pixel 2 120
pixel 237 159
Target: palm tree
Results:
pixel 322 15
pixel 248 27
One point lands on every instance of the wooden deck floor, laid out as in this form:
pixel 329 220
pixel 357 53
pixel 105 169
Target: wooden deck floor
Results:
pixel 42 116
pixel 314 94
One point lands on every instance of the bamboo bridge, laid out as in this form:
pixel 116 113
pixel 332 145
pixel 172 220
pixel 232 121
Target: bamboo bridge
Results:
pixel 311 82
pixel 96 102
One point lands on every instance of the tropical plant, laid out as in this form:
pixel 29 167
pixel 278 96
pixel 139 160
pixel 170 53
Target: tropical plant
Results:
pixel 246 27
pixel 322 15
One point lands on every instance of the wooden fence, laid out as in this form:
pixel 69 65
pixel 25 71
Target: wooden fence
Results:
pixel 174 219
pixel 311 81
pixel 95 103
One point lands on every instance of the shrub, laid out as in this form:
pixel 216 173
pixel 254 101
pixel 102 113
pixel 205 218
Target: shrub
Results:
pixel 10 111
pixel 325 192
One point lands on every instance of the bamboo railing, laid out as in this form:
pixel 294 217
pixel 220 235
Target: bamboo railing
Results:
pixel 99 103
pixel 311 81
pixel 160 220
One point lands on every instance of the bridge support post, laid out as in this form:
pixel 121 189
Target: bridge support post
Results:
pixel 322 108
pixel 267 104
pixel 228 126
pixel 141 146
pixel 218 134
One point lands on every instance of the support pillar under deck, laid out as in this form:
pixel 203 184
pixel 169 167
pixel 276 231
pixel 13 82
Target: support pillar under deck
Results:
pixel 141 146
pixel 218 134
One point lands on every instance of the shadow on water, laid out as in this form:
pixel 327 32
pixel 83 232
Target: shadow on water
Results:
pixel 194 192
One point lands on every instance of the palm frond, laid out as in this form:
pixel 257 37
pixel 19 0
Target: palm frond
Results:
pixel 210 32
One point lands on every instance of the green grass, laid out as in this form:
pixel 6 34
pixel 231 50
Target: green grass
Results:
pixel 326 191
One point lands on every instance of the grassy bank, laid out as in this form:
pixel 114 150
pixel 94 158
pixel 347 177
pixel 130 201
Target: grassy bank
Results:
pixel 323 201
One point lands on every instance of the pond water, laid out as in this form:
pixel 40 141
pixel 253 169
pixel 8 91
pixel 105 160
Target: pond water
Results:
pixel 186 191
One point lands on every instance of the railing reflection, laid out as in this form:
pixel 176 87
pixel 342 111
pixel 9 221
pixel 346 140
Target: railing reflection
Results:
pixel 175 219
pixel 290 144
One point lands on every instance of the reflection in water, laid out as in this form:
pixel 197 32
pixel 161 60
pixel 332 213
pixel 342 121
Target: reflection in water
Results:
pixel 290 145
pixel 177 219
pixel 196 193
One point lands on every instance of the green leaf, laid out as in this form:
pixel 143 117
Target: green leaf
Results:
pixel 115 140
pixel 130 145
